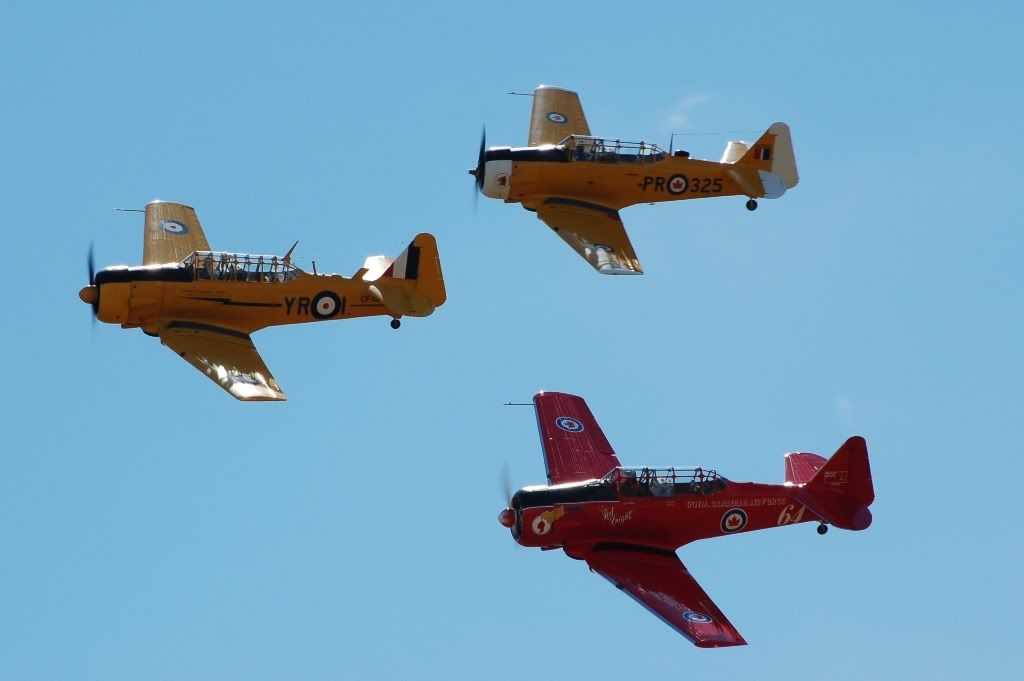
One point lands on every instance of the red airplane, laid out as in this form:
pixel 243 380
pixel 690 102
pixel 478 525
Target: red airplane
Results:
pixel 628 522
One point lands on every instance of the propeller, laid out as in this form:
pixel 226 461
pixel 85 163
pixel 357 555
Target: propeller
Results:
pixel 478 172
pixel 90 294
pixel 507 517
pixel 506 483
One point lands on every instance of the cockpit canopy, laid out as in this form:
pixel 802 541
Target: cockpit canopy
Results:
pixel 603 150
pixel 664 482
pixel 625 482
pixel 223 266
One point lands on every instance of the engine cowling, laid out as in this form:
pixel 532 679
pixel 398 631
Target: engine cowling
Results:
pixel 497 176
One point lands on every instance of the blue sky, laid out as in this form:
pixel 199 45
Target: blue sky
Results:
pixel 152 527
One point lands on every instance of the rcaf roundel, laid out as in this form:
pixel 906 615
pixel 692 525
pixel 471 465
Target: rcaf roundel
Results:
pixel 173 227
pixel 696 617
pixel 734 520
pixel 325 305
pixel 677 184
pixel 569 424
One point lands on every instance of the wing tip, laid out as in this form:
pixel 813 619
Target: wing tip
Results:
pixel 542 86
pixel 156 202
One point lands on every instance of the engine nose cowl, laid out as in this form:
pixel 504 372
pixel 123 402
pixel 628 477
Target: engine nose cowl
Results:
pixel 89 295
pixel 507 517
pixel 497 181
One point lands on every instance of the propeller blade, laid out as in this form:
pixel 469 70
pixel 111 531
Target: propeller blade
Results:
pixel 480 159
pixel 506 483
pixel 92 266
pixel 91 263
pixel 478 172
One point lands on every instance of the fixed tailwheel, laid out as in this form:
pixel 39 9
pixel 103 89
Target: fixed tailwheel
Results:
pixel 395 323
pixel 823 528
pixel 751 204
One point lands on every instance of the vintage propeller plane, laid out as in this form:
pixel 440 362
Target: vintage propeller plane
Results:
pixel 203 304
pixel 577 183
pixel 627 523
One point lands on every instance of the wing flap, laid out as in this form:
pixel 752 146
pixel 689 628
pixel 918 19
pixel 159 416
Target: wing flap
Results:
pixel 575 448
pixel 172 233
pixel 594 231
pixel 556 114
pixel 659 581
pixel 225 356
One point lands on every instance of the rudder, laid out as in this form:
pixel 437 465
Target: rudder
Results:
pixel 841 491
pixel 773 154
pixel 412 284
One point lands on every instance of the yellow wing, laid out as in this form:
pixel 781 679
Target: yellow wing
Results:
pixel 172 232
pixel 227 357
pixel 557 113
pixel 593 231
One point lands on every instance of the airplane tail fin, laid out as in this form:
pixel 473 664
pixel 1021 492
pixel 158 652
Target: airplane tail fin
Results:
pixel 411 284
pixel 771 156
pixel 841 490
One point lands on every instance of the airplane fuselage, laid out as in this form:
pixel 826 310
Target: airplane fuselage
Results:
pixel 527 175
pixel 596 512
pixel 149 296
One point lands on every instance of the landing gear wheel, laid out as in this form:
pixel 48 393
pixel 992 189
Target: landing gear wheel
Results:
pixel 395 323
pixel 751 204
pixel 823 528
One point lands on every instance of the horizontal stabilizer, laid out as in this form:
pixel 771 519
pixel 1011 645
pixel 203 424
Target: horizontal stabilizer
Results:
pixel 802 467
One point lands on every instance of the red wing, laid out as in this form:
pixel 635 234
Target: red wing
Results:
pixel 659 581
pixel 574 447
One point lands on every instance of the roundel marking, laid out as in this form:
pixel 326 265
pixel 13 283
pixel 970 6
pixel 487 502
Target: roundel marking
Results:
pixel 677 184
pixel 696 617
pixel 556 117
pixel 604 247
pixel 540 525
pixel 173 227
pixel 569 424
pixel 734 520
pixel 325 305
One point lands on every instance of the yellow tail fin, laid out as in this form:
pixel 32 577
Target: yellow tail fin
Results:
pixel 773 152
pixel 413 283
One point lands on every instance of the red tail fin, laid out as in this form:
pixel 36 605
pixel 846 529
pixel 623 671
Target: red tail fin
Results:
pixel 842 490
pixel 848 472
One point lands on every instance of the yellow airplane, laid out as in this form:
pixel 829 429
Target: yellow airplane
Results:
pixel 577 183
pixel 203 304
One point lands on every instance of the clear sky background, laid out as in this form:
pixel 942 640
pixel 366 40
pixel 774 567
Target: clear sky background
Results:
pixel 151 527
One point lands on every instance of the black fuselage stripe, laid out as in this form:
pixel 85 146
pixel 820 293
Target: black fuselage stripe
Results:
pixel 237 303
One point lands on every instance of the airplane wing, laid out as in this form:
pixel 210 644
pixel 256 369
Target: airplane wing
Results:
pixel 556 114
pixel 593 231
pixel 225 356
pixel 172 232
pixel 574 447
pixel 659 581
